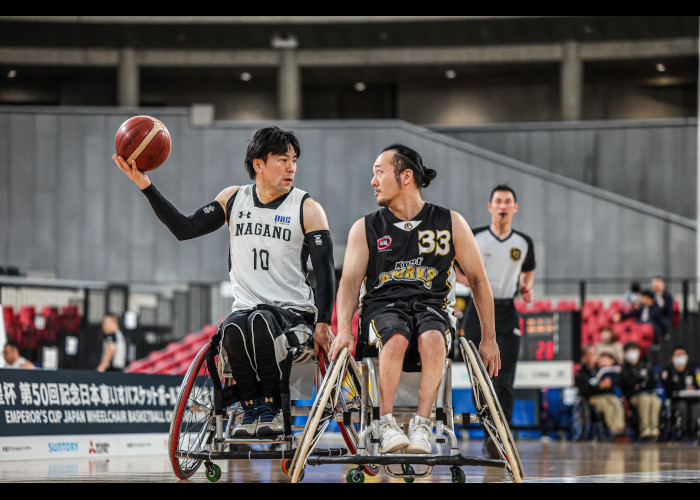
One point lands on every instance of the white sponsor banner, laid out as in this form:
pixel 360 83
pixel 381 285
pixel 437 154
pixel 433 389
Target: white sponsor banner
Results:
pixel 528 375
pixel 81 446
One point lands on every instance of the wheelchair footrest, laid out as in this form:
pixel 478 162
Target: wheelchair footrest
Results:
pixel 398 459
pixel 257 454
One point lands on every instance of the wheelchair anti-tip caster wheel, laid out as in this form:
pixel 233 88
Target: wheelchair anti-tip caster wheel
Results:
pixel 355 476
pixel 458 475
pixel 213 472
pixel 408 470
pixel 285 465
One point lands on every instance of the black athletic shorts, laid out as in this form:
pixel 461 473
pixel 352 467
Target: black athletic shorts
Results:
pixel 410 319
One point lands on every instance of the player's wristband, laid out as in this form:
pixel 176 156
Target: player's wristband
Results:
pixel 321 252
pixel 204 221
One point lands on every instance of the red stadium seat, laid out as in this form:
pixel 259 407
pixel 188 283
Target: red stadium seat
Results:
pixel 52 324
pixel 566 305
pixel 592 305
pixel 542 305
pixel 617 305
pixel 11 324
pixel 520 306
pixel 70 318
pixel 676 314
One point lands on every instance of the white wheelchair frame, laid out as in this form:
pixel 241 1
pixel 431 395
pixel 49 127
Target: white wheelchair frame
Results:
pixel 349 396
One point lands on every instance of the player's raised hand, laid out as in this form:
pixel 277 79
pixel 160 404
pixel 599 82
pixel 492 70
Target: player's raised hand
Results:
pixel 132 172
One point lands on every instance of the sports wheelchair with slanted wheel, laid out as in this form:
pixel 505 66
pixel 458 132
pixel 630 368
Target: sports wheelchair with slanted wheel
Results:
pixel 349 396
pixel 208 409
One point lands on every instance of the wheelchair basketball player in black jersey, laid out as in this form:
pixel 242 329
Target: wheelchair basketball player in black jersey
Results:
pixel 399 263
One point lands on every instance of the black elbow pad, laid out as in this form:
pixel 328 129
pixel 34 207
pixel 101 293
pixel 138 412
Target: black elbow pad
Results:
pixel 320 246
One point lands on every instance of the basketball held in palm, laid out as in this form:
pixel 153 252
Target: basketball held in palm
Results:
pixel 144 139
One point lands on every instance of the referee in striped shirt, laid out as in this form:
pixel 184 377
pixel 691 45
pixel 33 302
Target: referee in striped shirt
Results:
pixel 509 259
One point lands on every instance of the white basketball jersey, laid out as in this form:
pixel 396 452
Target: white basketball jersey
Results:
pixel 268 264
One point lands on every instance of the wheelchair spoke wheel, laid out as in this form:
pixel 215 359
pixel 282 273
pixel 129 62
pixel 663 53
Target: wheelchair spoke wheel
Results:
pixel 489 410
pixel 580 420
pixel 191 427
pixel 348 405
pixel 322 413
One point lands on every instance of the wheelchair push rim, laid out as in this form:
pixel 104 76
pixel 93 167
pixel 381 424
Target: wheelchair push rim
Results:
pixel 490 409
pixel 319 416
pixel 352 385
pixel 188 431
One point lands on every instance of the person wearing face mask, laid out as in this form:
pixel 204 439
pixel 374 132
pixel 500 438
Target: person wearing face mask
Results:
pixel 609 344
pixel 678 377
pixel 637 385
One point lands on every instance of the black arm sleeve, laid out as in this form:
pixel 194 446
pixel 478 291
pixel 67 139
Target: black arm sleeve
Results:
pixel 321 253
pixel 204 221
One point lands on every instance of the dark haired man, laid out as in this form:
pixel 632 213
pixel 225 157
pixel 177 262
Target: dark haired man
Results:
pixel 399 263
pixel 664 300
pixel 274 228
pixel 113 345
pixel 647 312
pixel 13 359
pixel 509 258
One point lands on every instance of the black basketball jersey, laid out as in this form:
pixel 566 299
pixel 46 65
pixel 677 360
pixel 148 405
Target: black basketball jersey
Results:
pixel 409 259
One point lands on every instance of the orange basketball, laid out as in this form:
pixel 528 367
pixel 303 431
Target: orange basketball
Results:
pixel 144 139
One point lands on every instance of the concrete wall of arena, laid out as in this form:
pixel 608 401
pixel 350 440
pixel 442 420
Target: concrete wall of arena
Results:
pixel 67 210
pixel 654 162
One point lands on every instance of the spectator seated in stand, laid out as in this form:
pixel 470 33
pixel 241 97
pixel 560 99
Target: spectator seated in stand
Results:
pixel 638 387
pixel 609 344
pixel 681 386
pixel 597 380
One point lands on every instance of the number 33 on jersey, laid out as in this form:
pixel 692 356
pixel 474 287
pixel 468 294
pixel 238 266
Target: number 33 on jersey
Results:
pixel 410 259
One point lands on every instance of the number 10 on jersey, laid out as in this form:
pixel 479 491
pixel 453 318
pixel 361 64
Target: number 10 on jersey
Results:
pixel 261 258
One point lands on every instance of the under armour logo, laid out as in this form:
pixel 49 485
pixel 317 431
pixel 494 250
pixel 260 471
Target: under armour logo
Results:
pixel 208 210
pixel 269 400
pixel 241 213
pixel 248 403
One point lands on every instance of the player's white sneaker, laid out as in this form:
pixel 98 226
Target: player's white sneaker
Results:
pixel 419 435
pixel 248 425
pixel 270 421
pixel 391 436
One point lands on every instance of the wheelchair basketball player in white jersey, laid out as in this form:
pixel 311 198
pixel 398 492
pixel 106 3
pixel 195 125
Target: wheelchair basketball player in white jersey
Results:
pixel 274 228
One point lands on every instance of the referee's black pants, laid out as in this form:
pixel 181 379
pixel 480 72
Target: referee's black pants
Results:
pixel 507 322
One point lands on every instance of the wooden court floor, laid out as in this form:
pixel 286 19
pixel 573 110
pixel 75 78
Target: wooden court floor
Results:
pixel 544 462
